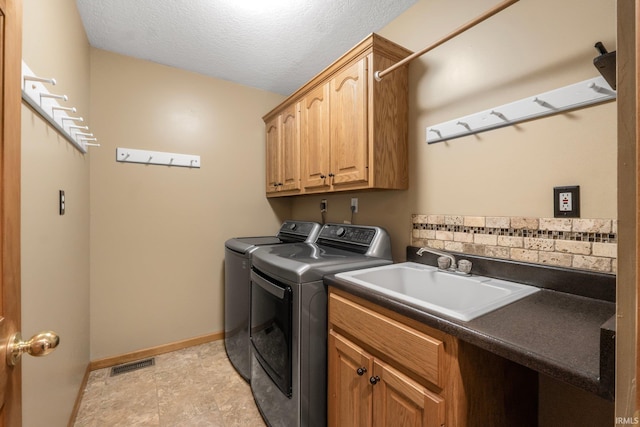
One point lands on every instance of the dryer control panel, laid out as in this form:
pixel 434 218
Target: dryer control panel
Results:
pixel 373 241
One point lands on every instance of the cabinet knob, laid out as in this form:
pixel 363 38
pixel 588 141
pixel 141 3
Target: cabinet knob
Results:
pixel 331 175
pixel 361 371
pixel 374 380
pixel 322 176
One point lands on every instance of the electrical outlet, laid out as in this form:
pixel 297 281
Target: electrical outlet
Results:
pixel 323 205
pixel 354 204
pixel 566 202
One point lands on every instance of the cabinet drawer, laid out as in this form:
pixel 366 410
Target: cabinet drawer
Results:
pixel 400 343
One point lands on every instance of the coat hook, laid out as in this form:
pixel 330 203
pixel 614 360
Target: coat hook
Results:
pixel 464 125
pixel 78 127
pixel 437 132
pixel 51 81
pixel 57 107
pixel 499 114
pixel 51 95
pixel 594 86
pixel 542 103
pixel 600 89
pixel 84 140
pixel 75 119
pixel 83 134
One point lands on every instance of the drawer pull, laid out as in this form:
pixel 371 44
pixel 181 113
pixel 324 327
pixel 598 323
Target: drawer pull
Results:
pixel 374 380
pixel 361 371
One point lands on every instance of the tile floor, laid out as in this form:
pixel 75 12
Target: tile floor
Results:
pixel 192 387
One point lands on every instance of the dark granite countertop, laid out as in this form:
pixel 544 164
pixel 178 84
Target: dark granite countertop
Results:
pixel 556 333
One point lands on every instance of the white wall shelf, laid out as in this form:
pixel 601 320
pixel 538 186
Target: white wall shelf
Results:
pixel 46 105
pixel 578 95
pixel 129 155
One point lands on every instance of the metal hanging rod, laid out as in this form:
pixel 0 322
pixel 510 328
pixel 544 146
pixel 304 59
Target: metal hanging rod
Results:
pixel 488 14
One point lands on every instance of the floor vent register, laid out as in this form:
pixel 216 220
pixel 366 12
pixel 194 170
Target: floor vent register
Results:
pixel 133 366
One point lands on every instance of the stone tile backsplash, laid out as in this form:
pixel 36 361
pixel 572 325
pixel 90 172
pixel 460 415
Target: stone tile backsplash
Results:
pixel 586 244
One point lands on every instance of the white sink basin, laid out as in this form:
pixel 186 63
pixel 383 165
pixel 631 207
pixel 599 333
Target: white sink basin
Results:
pixel 458 296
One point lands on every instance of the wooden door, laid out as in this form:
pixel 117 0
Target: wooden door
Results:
pixel 315 140
pixel 349 400
pixel 273 155
pixel 290 148
pixel 400 401
pixel 349 143
pixel 10 75
pixel 627 402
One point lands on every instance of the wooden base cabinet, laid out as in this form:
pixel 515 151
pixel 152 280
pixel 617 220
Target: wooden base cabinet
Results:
pixel 353 129
pixel 388 370
pixel 349 390
pixel 365 391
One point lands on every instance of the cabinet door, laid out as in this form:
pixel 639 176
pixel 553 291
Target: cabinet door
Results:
pixel 349 400
pixel 400 401
pixel 349 143
pixel 274 155
pixel 315 144
pixel 290 143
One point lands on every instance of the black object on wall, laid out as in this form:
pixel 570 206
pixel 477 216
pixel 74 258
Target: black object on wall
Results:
pixel 606 64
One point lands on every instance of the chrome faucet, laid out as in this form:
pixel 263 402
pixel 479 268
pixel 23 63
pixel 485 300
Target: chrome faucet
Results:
pixel 446 261
pixel 453 265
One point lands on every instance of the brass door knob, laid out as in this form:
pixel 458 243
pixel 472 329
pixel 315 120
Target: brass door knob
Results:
pixel 39 345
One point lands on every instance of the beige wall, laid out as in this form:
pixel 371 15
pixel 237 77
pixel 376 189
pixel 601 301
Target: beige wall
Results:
pixel 158 232
pixel 529 48
pixel 55 249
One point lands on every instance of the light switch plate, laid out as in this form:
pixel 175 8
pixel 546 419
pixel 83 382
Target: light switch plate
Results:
pixel 62 202
pixel 566 202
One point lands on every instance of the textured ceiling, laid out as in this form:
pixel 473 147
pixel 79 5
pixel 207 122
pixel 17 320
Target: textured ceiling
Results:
pixel 275 45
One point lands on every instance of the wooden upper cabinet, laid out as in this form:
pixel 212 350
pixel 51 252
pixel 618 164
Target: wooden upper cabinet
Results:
pixel 352 129
pixel 273 155
pixel 314 138
pixel 348 123
pixel 291 148
pixel 283 151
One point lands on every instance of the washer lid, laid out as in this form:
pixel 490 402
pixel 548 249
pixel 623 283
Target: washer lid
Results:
pixel 244 245
pixel 308 262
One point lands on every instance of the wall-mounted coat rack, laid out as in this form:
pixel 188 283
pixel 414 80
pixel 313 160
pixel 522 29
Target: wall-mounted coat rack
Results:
pixel 129 155
pixel 578 95
pixel 45 103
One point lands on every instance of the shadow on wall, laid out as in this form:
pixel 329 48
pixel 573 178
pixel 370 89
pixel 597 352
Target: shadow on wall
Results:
pixel 282 208
pixel 420 71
